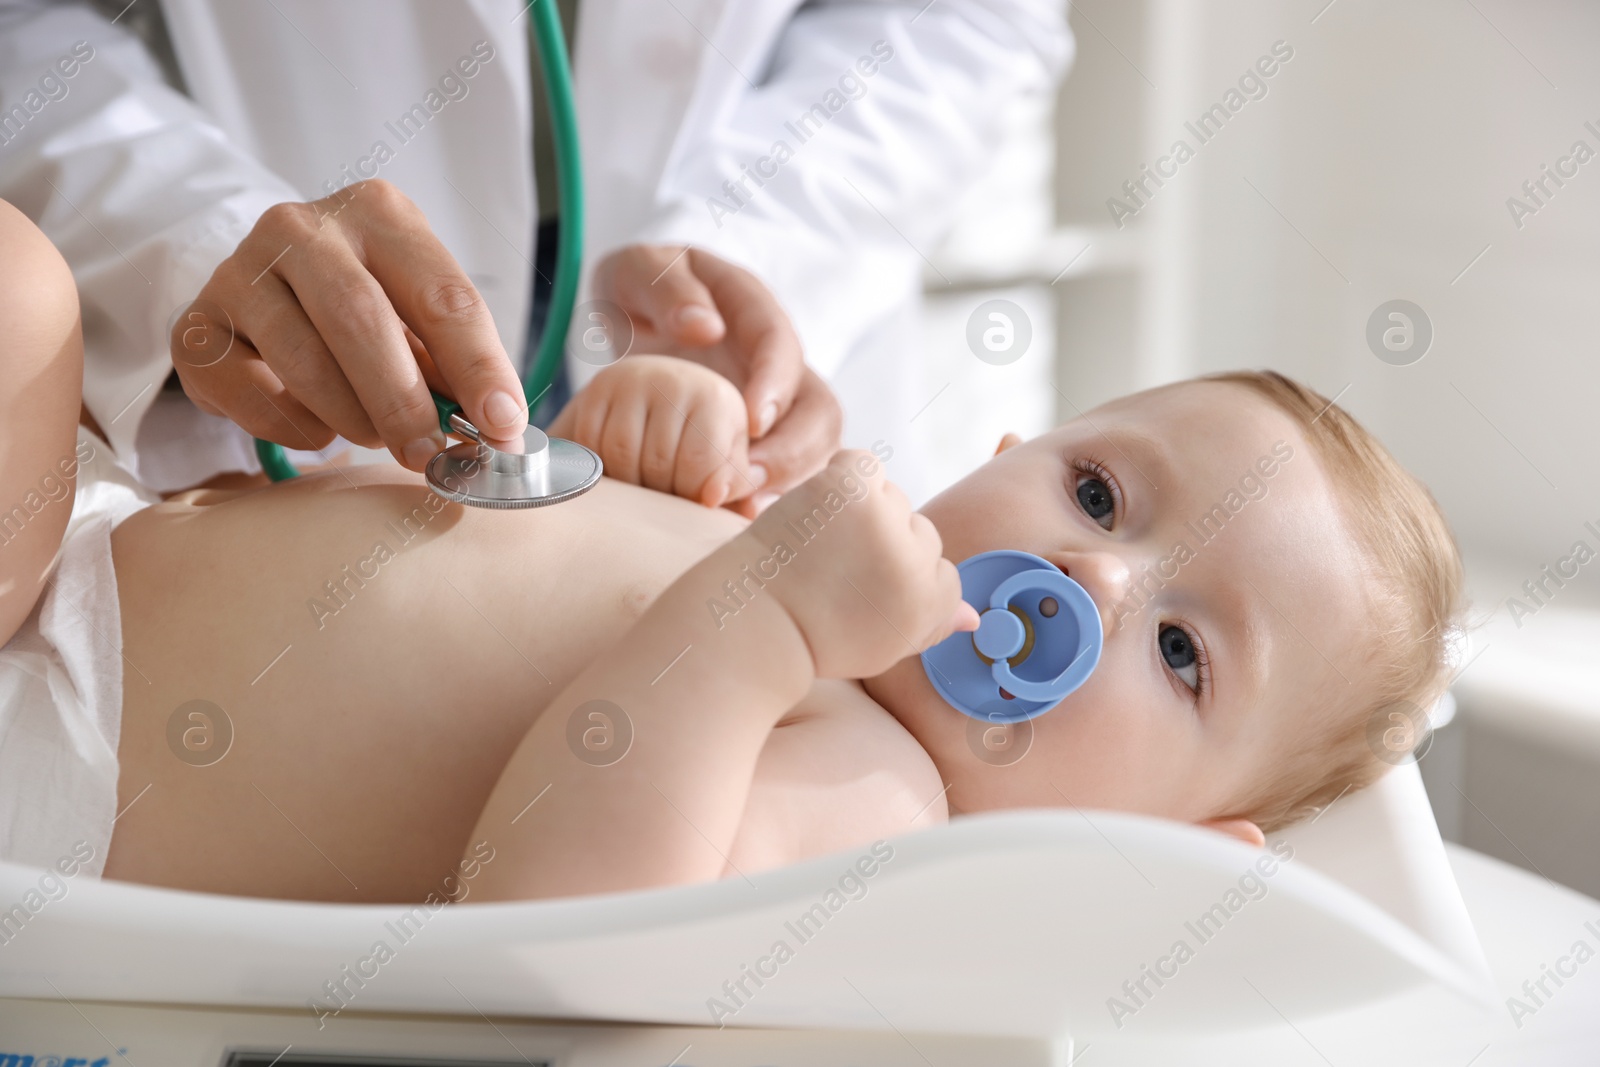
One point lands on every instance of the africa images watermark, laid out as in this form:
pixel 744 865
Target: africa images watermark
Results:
pixel 51 887
pixel 1208 527
pixel 340 991
pixel 1531 201
pixel 453 86
pixel 1558 572
pixel 738 593
pixel 1140 990
pixel 1536 992
pixel 1252 86
pixel 850 886
pixel 852 86
pixel 52 87
pixel 340 591
pixel 54 486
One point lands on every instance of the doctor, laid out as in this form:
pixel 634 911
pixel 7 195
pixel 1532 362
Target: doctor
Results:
pixel 763 179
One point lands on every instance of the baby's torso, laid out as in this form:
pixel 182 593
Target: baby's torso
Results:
pixel 367 565
pixel 313 611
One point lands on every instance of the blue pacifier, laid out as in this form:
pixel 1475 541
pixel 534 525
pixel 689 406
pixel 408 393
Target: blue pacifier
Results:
pixel 1038 639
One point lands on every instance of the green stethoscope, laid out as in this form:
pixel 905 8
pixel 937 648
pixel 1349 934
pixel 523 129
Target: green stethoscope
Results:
pixel 548 470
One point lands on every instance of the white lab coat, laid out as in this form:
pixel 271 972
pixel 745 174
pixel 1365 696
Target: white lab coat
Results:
pixel 145 189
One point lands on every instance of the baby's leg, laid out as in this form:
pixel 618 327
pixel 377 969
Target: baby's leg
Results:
pixel 41 382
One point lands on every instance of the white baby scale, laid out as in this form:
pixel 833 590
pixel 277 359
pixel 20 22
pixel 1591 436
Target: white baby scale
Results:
pixel 998 939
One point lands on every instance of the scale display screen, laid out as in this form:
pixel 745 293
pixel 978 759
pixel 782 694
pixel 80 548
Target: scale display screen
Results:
pixel 243 1058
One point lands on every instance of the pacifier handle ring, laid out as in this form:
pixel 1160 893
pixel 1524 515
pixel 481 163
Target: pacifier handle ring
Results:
pixel 1076 600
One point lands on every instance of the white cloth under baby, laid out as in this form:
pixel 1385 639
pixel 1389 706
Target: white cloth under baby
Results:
pixel 61 682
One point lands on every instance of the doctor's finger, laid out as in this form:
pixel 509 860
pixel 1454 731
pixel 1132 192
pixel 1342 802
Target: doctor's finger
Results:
pixel 657 284
pixel 762 338
pixel 351 311
pixel 245 389
pixel 438 301
pixel 297 354
pixel 800 444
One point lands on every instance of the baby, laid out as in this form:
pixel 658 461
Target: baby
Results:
pixel 636 689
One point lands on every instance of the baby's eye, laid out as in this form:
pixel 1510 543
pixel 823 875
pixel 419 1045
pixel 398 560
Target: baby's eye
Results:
pixel 1179 652
pixel 1094 496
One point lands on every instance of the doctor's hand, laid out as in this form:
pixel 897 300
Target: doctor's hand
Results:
pixel 335 317
pixel 695 305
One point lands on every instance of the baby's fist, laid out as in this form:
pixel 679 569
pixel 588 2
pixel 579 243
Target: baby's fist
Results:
pixel 862 575
pixel 666 424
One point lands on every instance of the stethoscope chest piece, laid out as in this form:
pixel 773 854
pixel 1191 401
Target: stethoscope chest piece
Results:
pixel 547 471
pixel 1039 637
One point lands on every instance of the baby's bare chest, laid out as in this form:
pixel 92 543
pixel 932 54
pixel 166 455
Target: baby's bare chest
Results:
pixel 579 575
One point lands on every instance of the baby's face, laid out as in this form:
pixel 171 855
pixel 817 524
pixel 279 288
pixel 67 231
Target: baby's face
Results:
pixel 1209 536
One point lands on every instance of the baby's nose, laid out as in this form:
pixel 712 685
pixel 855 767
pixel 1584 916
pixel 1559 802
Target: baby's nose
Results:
pixel 1103 575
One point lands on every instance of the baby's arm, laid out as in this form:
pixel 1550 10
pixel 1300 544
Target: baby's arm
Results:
pixel 667 424
pixel 41 386
pixel 698 702
pixel 843 572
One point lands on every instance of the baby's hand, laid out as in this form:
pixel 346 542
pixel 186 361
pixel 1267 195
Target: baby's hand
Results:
pixel 665 423
pixel 863 578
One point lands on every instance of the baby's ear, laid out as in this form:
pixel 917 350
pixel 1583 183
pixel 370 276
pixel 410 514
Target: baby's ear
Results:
pixel 1010 440
pixel 1243 829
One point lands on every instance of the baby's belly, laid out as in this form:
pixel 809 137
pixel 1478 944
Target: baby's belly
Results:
pixel 369 567
pixel 377 655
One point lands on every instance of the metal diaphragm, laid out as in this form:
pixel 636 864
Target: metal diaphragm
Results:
pixel 547 471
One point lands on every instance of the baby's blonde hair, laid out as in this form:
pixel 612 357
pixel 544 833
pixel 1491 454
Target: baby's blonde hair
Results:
pixel 1415 592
